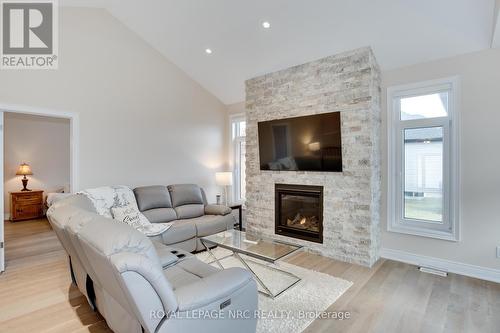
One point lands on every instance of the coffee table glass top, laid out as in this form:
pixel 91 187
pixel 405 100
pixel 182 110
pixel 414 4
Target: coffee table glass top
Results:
pixel 258 247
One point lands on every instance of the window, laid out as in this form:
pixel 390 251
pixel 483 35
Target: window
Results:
pixel 423 189
pixel 238 133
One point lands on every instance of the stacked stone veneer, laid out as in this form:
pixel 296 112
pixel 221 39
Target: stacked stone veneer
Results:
pixel 349 83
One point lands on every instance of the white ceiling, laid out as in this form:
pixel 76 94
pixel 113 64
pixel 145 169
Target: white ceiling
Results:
pixel 401 33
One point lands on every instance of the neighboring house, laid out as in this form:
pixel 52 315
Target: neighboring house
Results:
pixel 423 161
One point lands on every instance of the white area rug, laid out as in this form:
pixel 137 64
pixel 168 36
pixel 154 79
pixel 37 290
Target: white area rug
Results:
pixel 294 310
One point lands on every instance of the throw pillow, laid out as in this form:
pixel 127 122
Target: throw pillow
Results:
pixel 133 217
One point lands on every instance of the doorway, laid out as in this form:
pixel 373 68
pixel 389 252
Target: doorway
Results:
pixel 45 153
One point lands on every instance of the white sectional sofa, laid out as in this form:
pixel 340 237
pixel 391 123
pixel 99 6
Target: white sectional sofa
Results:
pixel 140 284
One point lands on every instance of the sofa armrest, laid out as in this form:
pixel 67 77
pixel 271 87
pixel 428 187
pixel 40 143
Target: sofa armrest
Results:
pixel 165 254
pixel 218 286
pixel 217 210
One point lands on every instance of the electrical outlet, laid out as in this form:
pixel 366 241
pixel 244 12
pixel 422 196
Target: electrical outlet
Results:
pixel 498 251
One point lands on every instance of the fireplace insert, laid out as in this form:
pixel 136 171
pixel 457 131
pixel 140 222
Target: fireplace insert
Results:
pixel 299 211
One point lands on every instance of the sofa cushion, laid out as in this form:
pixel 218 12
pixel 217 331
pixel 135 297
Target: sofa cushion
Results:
pixel 187 245
pixel 150 197
pixel 197 267
pixel 179 277
pixel 179 232
pixel 188 271
pixel 134 218
pixel 185 194
pixel 190 211
pixel 160 215
pixel 211 224
pixel 217 210
pixel 213 288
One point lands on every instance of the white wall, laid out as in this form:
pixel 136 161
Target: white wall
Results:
pixel 142 120
pixel 236 108
pixel 480 159
pixel 43 143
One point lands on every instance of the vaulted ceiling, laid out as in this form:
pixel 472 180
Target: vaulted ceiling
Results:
pixel 401 33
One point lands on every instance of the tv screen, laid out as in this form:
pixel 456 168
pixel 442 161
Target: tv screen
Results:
pixel 310 143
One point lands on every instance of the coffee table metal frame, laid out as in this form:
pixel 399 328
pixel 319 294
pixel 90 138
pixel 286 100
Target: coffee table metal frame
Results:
pixel 236 253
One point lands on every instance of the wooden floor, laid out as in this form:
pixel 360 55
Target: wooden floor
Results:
pixel 36 294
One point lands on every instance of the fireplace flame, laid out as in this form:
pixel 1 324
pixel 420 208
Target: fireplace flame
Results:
pixel 303 221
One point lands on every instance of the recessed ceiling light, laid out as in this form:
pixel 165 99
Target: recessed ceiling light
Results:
pixel 266 25
pixel 208 51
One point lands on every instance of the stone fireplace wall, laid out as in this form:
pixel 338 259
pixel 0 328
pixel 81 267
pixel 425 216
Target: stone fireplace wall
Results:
pixel 349 83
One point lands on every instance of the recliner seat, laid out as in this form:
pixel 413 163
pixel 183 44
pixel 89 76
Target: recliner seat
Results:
pixel 135 285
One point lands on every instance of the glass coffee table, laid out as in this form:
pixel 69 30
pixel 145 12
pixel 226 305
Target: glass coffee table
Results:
pixel 268 250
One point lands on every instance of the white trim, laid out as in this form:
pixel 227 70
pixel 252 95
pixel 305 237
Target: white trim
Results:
pixel 478 272
pixel 16 108
pixel 235 117
pixel 2 209
pixel 74 134
pixel 454 190
pixel 495 40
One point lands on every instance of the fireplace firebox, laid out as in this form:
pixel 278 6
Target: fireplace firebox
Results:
pixel 299 211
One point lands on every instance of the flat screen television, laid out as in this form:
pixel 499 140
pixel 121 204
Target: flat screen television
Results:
pixel 310 143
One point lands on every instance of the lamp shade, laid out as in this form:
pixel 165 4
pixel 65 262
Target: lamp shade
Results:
pixel 224 178
pixel 24 170
pixel 314 146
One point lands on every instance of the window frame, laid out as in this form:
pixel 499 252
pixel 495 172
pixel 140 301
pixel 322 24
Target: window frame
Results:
pixel 450 228
pixel 235 144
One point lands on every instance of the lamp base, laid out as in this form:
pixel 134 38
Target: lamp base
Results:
pixel 226 201
pixel 25 183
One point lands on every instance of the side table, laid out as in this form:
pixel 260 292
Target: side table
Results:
pixel 239 207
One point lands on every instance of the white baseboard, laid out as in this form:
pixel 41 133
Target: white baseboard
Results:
pixel 483 273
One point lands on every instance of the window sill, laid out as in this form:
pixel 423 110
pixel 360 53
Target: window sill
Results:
pixel 451 236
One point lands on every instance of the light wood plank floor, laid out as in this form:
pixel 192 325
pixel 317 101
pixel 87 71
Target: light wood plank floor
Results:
pixel 36 294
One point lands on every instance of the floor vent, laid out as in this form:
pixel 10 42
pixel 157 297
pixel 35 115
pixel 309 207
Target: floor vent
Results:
pixel 434 271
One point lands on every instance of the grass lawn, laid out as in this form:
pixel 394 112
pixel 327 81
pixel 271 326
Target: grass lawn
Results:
pixel 429 209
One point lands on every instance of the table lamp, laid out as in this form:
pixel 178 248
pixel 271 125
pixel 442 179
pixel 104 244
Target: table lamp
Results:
pixel 224 179
pixel 24 170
